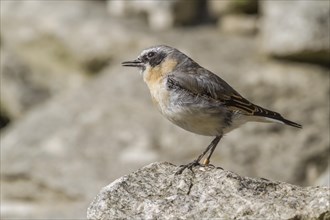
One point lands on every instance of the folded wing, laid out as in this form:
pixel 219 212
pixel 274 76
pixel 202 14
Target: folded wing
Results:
pixel 204 83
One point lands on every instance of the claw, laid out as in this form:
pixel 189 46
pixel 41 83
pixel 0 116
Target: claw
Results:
pixel 187 166
pixel 210 165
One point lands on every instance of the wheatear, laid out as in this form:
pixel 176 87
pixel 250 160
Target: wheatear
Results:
pixel 196 99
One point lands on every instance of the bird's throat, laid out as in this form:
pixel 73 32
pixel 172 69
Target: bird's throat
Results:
pixel 153 75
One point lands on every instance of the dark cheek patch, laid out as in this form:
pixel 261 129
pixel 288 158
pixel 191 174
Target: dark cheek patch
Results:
pixel 157 59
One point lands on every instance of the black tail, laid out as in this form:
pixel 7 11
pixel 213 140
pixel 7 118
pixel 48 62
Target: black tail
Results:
pixel 291 123
pixel 238 102
pixel 275 116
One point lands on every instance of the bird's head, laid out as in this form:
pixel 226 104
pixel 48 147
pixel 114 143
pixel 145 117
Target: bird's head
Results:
pixel 159 59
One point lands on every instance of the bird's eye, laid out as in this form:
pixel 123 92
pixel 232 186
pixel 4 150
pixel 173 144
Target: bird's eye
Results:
pixel 151 54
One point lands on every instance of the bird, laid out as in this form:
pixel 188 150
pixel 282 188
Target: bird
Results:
pixel 196 99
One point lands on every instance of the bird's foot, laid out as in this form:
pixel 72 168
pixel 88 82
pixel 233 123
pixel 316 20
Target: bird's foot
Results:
pixel 188 166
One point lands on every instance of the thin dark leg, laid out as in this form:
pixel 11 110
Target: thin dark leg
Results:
pixel 207 160
pixel 211 146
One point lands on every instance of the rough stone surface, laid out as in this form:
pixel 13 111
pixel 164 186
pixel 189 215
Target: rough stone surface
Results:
pixel 154 192
pixel 301 34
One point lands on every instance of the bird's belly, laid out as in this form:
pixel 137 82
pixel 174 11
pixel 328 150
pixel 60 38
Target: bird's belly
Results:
pixel 192 118
pixel 199 123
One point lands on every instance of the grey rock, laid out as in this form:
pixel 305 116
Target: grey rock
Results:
pixel 224 7
pixel 19 91
pixel 324 179
pixel 219 8
pixel 302 34
pixel 155 192
pixel 43 58
pixel 161 15
pixel 239 24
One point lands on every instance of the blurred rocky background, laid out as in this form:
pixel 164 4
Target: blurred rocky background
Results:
pixel 73 120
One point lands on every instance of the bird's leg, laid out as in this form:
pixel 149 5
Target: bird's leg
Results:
pixel 207 160
pixel 211 146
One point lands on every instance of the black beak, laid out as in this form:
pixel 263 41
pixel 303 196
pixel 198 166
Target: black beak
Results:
pixel 134 63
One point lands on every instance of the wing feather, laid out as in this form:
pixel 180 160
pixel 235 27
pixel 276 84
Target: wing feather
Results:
pixel 204 83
